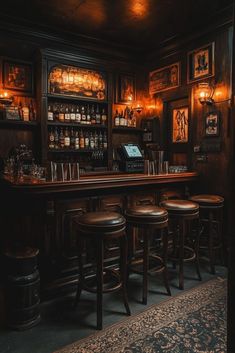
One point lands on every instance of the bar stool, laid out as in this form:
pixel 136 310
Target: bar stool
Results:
pixel 100 227
pixel 147 219
pixel 211 217
pixel 184 244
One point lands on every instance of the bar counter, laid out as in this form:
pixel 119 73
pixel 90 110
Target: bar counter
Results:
pixel 43 214
pixel 109 181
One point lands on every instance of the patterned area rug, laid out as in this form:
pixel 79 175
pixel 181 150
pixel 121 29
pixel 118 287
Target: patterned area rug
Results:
pixel 194 321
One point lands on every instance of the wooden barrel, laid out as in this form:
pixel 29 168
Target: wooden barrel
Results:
pixel 22 288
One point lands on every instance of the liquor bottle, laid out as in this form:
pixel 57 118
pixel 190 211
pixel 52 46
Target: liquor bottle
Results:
pixel 51 139
pixel 67 114
pixel 100 140
pixel 25 111
pixel 97 115
pixel 96 140
pixel 105 141
pixel 72 114
pixel 61 138
pixel 122 119
pixel 93 116
pixel 78 115
pixel 61 113
pixel 92 141
pixel 56 138
pixel 50 114
pixel 32 113
pixel 133 120
pixel 72 139
pixel 103 117
pixel 66 138
pixel 77 145
pixel 117 119
pixel 56 112
pixel 83 120
pixel 20 111
pixel 88 116
pixel 87 140
pixel 81 140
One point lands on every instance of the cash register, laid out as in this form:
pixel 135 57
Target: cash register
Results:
pixel 132 160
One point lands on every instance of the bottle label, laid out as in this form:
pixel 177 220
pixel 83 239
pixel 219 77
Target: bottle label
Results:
pixel 61 116
pixel 72 116
pixel 117 121
pixel 76 143
pixel 78 117
pixel 50 116
pixel 67 141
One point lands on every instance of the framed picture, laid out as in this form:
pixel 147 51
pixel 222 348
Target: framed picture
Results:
pixel 201 63
pixel 78 82
pixel 180 125
pixel 17 76
pixel 125 90
pixel 212 124
pixel 165 78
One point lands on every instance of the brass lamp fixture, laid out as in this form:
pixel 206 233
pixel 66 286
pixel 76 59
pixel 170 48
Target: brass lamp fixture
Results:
pixel 5 98
pixel 205 92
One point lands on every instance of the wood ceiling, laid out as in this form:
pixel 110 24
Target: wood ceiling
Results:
pixel 139 24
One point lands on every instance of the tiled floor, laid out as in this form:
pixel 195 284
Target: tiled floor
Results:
pixel 62 325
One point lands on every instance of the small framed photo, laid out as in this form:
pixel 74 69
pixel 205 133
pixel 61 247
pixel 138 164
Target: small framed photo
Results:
pixel 17 76
pixel 164 79
pixel 125 90
pixel 201 63
pixel 212 124
pixel 180 125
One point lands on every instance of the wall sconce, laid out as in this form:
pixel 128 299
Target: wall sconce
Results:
pixel 205 92
pixel 138 108
pixel 5 98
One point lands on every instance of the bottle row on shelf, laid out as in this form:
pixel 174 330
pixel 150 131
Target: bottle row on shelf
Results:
pixel 72 138
pixel 81 114
pixel 125 118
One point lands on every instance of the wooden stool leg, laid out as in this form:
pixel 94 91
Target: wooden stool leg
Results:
pixel 99 279
pixel 164 235
pixel 145 266
pixel 123 271
pixel 80 273
pixel 211 244
pixel 196 248
pixel 182 229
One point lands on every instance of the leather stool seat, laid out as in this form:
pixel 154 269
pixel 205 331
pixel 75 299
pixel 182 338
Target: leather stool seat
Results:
pixel 101 221
pixel 147 214
pixel 179 207
pixel 208 200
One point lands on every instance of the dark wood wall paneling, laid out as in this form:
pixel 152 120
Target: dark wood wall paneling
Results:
pixel 215 171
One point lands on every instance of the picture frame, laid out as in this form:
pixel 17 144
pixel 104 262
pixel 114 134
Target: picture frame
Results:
pixel 125 88
pixel 201 63
pixel 165 78
pixel 212 124
pixel 17 76
pixel 180 125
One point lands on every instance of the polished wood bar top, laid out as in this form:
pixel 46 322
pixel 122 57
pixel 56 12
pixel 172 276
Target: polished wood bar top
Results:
pixel 98 182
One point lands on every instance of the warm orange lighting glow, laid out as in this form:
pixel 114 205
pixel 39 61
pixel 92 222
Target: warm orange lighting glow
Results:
pixel 138 9
pixel 5 98
pixel 205 93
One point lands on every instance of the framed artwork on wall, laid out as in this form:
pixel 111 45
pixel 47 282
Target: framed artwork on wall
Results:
pixel 125 88
pixel 212 124
pixel 164 78
pixel 72 81
pixel 17 76
pixel 201 63
pixel 180 125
